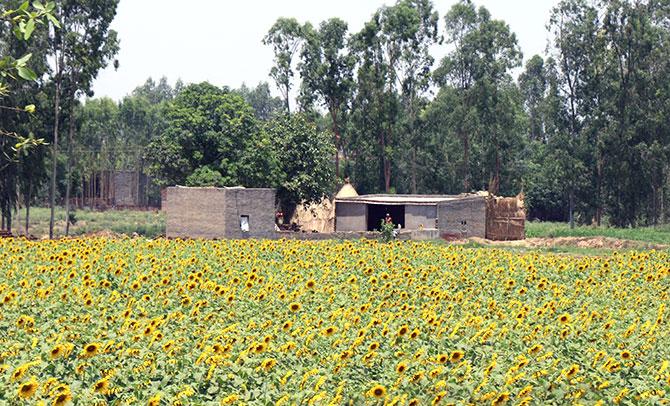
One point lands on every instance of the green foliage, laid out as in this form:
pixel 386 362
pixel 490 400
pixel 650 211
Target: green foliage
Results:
pixel 285 37
pixel 261 100
pixel 387 231
pixel 657 234
pixel 303 156
pixel 204 126
pixel 205 176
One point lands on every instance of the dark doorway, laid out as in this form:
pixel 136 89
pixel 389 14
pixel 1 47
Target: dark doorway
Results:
pixel 377 213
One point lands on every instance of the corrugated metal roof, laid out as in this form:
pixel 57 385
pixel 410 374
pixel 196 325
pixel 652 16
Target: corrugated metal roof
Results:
pixel 404 199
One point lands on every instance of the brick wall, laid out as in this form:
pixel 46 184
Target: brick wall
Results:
pixel 420 215
pixel 258 204
pixel 207 212
pixel 350 216
pixel 471 210
pixel 194 212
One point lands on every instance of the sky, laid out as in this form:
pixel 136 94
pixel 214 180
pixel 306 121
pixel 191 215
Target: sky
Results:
pixel 220 41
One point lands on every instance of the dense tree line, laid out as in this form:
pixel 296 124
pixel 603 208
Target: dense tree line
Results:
pixel 582 130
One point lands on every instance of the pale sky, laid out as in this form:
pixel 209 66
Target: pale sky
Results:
pixel 220 41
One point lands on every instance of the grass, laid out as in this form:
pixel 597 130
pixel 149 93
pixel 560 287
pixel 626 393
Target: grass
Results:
pixel 658 234
pixel 149 223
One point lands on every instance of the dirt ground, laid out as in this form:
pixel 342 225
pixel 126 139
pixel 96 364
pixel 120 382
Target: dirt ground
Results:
pixel 577 242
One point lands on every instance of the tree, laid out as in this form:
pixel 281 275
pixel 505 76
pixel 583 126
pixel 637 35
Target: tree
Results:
pixel 393 72
pixel 327 73
pixel 285 37
pixel 83 46
pixel 533 85
pixel 206 129
pixel 19 22
pixel 303 154
pixel 264 104
pixel 485 50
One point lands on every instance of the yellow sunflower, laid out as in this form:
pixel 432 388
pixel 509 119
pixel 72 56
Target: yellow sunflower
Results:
pixel 377 391
pixel 28 389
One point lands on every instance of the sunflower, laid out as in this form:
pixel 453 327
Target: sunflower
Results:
pixel 403 330
pixel 378 391
pixel 19 372
pixel 456 356
pixel 415 333
pixel 295 306
pixel 442 358
pixel 626 355
pixel 501 399
pixel 102 386
pixel 564 318
pixel 572 371
pixel 91 350
pixel 154 400
pixel 535 349
pixel 329 331
pixel 28 389
pixel 62 398
pixel 268 364
pixel 401 367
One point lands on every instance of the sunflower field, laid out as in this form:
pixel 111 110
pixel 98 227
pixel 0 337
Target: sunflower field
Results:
pixel 166 322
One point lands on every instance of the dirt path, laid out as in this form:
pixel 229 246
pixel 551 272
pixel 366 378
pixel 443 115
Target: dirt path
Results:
pixel 578 242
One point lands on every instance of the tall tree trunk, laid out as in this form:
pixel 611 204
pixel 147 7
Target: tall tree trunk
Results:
pixel 571 213
pixel 26 200
pixel 68 181
pixel 386 164
pixel 52 191
pixel 286 101
pixel 466 161
pixel 336 134
pixel 413 169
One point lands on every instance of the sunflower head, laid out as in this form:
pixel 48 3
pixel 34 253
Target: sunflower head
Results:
pixel 28 389
pixel 378 391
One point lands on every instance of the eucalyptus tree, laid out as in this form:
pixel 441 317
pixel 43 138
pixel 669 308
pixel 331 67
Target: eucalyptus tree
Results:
pixel 484 52
pixel 83 46
pixel 326 70
pixel 394 70
pixel 285 37
pixel 260 98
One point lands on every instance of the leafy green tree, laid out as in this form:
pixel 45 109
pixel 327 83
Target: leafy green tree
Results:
pixel 205 127
pixel 303 154
pixel 285 37
pixel 84 45
pixel 327 73
pixel 265 105
pixel 484 52
pixel 533 85
pixel 394 70
pixel 18 22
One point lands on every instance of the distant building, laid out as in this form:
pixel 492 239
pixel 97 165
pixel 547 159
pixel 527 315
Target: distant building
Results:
pixel 210 212
pixel 462 215
pixel 115 189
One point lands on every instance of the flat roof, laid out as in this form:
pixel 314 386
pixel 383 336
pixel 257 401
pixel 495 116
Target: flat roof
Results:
pixel 405 199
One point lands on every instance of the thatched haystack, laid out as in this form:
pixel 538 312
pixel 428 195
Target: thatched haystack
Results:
pixel 505 218
pixel 320 217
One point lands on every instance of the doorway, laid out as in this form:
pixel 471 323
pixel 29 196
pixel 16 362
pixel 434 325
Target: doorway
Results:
pixel 377 213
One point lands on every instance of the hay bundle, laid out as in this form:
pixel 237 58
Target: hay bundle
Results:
pixel 319 217
pixel 505 218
